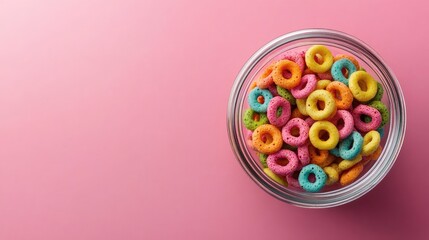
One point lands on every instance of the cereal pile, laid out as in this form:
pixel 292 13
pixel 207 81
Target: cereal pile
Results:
pixel 315 120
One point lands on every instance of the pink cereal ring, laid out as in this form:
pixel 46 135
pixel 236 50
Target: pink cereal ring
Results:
pixel 309 121
pixel 292 179
pixel 273 90
pixel 248 137
pixel 373 113
pixel 303 155
pixel 274 104
pixel 326 75
pixel 305 87
pixel 303 132
pixel 295 57
pixel 289 168
pixel 346 127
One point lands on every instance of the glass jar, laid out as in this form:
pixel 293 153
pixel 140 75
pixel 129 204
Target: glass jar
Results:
pixel 337 42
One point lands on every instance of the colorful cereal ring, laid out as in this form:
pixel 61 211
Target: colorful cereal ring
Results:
pixel 362 86
pixel 252 119
pixel 301 105
pixel 352 59
pixel 265 79
pixel 305 87
pixel 280 80
pixel 351 175
pixel 253 100
pixel 365 110
pixel 272 112
pixel 333 135
pixel 371 141
pixel 289 168
pixel 380 91
pixel 263 159
pixel 248 137
pixel 303 154
pixel 295 57
pixel 267 147
pixel 345 96
pixel 320 176
pixel 312 107
pixel 311 62
pixel 273 90
pixel 385 116
pixel 297 114
pixel 351 146
pixel 292 179
pixel 303 132
pixel 346 164
pixel 321 158
pixel 337 70
pixel 322 84
pixel 335 151
pixel 276 178
pixel 332 175
pixel 286 94
pixel 325 76
pixel 347 125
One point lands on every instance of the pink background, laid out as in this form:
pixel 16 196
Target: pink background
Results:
pixel 112 120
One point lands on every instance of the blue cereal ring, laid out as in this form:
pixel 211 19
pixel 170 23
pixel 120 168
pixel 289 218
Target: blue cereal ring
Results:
pixel 253 99
pixel 381 131
pixel 351 146
pixel 335 151
pixel 318 173
pixel 337 67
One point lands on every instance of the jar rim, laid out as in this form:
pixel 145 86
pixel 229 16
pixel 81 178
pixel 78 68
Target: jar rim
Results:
pixel 365 183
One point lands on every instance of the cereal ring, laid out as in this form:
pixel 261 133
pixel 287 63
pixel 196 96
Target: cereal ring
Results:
pixel 385 116
pixel 292 179
pixel 312 107
pixel 267 147
pixel 342 95
pixel 371 141
pixel 320 157
pixel 276 178
pixel 325 76
pixel 311 62
pixel 337 70
pixel 278 104
pixel 336 167
pixel 351 175
pixel 265 79
pixel 252 86
pixel 280 80
pixel 248 137
pixel 322 84
pixel 289 168
pixel 301 105
pixel 253 100
pixel 286 94
pixel 324 126
pixel 297 114
pixel 309 121
pixel 273 90
pixel 351 146
pixel 380 91
pixel 381 131
pixel 332 175
pixel 305 87
pixel 350 58
pixel 295 57
pixel 263 159
pixel 345 127
pixel 303 132
pixel 303 155
pixel 346 164
pixel 362 86
pixel 335 151
pixel 375 155
pixel 252 119
pixel 320 176
pixel 365 110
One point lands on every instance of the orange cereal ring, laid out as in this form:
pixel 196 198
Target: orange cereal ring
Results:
pixel 297 114
pixel 252 85
pixel 375 155
pixel 272 136
pixel 320 157
pixel 351 175
pixel 352 59
pixel 342 95
pixel 265 80
pixel 308 71
pixel 283 66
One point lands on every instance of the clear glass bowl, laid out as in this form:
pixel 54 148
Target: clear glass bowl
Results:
pixel 337 42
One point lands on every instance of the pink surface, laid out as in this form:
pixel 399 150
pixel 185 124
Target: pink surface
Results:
pixel 112 120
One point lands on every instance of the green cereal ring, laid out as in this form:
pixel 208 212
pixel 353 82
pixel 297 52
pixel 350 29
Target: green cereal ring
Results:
pixel 249 121
pixel 385 115
pixel 379 93
pixel 263 159
pixel 286 94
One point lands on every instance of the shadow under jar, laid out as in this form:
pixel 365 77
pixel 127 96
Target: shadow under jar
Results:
pixel 337 42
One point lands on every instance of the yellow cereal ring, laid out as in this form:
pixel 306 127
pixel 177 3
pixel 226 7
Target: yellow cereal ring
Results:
pixel 332 174
pixel 346 164
pixel 324 126
pixel 362 86
pixel 286 65
pixel 326 58
pixel 371 141
pixel 300 103
pixel 312 106
pixel 322 84
pixel 336 167
pixel 275 177
pixel 272 136
pixel 351 175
